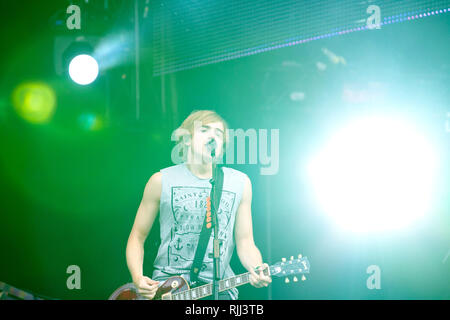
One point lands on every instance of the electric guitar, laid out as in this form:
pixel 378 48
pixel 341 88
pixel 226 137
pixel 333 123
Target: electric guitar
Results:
pixel 177 288
pixel 8 292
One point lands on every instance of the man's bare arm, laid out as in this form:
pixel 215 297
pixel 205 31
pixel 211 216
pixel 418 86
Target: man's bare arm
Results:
pixel 248 253
pixel 146 214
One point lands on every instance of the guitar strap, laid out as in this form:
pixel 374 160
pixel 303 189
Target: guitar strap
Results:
pixel 207 226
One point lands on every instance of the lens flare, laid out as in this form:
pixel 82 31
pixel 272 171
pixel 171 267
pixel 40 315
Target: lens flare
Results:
pixel 376 174
pixel 34 101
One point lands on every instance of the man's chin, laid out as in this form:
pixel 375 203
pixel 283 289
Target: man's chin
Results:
pixel 207 159
pixel 204 160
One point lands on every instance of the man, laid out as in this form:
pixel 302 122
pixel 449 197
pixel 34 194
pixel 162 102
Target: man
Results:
pixel 179 193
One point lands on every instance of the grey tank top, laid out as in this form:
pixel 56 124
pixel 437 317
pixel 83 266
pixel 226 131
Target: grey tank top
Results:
pixel 182 212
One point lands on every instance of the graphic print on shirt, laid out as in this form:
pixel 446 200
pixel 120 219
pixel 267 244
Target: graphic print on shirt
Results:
pixel 189 209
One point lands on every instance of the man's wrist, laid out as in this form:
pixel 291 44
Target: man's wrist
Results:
pixel 136 278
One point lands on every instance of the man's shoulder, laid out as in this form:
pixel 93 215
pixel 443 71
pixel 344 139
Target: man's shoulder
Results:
pixel 171 168
pixel 155 178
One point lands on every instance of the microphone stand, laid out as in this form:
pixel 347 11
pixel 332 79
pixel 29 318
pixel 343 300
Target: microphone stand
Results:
pixel 216 241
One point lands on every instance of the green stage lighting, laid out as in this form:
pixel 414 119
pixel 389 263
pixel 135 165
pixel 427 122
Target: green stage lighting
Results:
pixel 34 102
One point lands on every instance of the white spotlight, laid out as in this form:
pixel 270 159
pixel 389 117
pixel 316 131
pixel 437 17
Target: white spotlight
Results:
pixel 376 174
pixel 83 69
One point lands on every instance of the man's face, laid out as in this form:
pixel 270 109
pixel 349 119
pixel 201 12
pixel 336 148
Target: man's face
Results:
pixel 204 133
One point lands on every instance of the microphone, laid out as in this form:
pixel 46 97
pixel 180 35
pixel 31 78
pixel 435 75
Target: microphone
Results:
pixel 211 145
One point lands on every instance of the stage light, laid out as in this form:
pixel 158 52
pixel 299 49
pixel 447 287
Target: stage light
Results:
pixel 90 122
pixel 83 69
pixel 34 101
pixel 377 174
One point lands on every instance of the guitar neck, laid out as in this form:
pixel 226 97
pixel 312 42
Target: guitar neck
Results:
pixel 206 290
pixel 280 269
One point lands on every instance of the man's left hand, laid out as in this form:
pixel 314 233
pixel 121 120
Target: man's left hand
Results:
pixel 258 279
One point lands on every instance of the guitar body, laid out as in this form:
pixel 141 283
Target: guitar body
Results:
pixel 172 285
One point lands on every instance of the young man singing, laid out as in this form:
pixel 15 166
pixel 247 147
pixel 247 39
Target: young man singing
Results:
pixel 180 193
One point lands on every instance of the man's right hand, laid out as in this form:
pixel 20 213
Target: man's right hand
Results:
pixel 146 287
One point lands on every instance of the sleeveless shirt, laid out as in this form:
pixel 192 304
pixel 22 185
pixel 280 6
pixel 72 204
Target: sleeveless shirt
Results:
pixel 182 212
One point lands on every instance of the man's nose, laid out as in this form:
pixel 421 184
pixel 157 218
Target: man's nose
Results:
pixel 212 136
